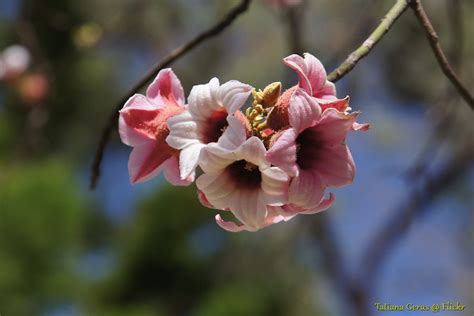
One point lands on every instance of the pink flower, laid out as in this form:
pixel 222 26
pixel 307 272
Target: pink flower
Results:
pixel 143 125
pixel 205 119
pixel 313 80
pixel 313 152
pixel 237 177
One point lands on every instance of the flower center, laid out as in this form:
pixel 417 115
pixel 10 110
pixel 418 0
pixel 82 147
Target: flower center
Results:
pixel 308 153
pixel 214 126
pixel 246 174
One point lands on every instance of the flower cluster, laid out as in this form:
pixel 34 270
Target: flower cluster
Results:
pixel 264 165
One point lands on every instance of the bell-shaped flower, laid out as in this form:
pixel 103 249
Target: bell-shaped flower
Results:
pixel 313 152
pixel 313 80
pixel 205 119
pixel 239 179
pixel 143 125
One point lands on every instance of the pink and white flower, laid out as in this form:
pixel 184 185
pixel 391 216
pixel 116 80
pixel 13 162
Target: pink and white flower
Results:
pixel 143 125
pixel 205 119
pixel 237 177
pixel 313 80
pixel 313 152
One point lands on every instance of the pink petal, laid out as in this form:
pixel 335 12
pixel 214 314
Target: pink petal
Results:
pixel 338 104
pixel 166 88
pixel 336 168
pixel 203 199
pixel 145 161
pixel 324 205
pixel 360 127
pixel 283 152
pixel 311 73
pixel 232 95
pixel 293 210
pixel 137 125
pixel 306 190
pixel 229 226
pixel 304 111
pixel 130 129
pixel 248 207
pixel 328 91
pixel 172 173
pixel 334 126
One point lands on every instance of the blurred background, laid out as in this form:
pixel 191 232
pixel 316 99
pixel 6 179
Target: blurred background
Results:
pixel 151 249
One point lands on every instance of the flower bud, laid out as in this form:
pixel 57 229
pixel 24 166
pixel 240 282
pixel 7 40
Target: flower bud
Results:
pixel 278 117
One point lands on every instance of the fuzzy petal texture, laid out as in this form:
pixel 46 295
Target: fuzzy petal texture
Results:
pixel 306 190
pixel 166 88
pixel 338 167
pixel 303 111
pixel 327 92
pixel 232 95
pixel 143 125
pixel 283 152
pixel 209 113
pixel 132 128
pixel 311 72
pixel 171 169
pixel 201 100
pixel 334 126
pixel 240 179
pixel 145 161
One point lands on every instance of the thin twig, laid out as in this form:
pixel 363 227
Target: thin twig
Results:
pixel 415 205
pixel 164 62
pixel 438 52
pixel 393 14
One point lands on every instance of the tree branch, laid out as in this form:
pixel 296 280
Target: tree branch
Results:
pixel 438 52
pixel 164 62
pixel 393 14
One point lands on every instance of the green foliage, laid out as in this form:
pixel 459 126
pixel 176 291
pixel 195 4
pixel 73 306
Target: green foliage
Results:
pixel 40 221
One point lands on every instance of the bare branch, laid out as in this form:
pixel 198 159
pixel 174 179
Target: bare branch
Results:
pixel 393 14
pixel 164 62
pixel 438 52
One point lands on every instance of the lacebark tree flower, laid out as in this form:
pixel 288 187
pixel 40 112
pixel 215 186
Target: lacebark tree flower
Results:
pixel 237 177
pixel 265 166
pixel 143 125
pixel 313 80
pixel 205 119
pixel 313 151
